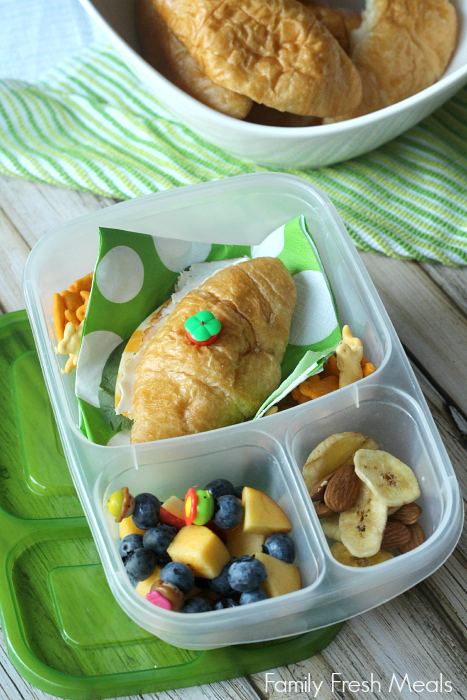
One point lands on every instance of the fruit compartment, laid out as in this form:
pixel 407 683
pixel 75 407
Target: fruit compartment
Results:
pixel 171 469
pixel 399 425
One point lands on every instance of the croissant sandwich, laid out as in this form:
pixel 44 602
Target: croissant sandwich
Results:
pixel 179 387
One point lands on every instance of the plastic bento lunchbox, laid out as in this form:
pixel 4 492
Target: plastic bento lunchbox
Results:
pixel 269 453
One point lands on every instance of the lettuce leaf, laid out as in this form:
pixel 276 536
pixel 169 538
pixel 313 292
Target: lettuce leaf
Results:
pixel 106 393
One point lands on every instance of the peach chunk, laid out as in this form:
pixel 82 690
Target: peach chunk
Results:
pixel 282 577
pixel 240 542
pixel 262 515
pixel 143 587
pixel 201 549
pixel 127 527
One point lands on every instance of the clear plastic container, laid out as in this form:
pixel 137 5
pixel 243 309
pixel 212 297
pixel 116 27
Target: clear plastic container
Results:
pixel 269 453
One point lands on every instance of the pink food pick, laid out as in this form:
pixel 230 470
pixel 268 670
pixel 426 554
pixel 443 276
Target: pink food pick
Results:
pixel 158 599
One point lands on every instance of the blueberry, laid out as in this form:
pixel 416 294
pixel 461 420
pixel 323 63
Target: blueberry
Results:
pixel 157 539
pixel 253 596
pixel 129 544
pixel 220 487
pixel 247 573
pixel 239 491
pixel 179 574
pixel 228 512
pixel 280 546
pixel 146 513
pixel 133 581
pixel 196 605
pixel 140 564
pixel 220 584
pixel 225 603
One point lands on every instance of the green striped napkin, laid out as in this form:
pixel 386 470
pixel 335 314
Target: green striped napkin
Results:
pixel 89 124
pixel 135 273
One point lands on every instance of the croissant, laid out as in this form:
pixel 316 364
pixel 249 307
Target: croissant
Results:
pixel 168 55
pixel 339 21
pixel 401 47
pixel 182 388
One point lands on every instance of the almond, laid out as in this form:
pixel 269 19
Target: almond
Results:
pixel 317 493
pixel 322 510
pixel 417 537
pixel 407 514
pixel 395 535
pixel 342 489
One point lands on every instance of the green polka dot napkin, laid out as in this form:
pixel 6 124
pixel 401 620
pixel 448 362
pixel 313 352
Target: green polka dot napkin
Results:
pixel 90 124
pixel 135 273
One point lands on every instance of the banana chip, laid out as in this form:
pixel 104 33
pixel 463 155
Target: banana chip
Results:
pixel 389 479
pixel 332 453
pixel 362 525
pixel 331 527
pixel 342 555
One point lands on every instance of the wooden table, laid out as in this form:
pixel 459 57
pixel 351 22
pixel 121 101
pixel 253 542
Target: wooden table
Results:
pixel 422 633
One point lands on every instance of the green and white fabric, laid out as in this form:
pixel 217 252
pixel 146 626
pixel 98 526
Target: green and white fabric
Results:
pixel 90 124
pixel 135 273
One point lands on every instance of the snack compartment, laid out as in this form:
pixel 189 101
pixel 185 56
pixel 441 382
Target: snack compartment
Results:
pixel 400 426
pixel 396 422
pixel 171 469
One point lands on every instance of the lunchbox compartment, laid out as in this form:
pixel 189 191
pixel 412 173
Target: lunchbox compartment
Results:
pixel 395 421
pixel 259 463
pixel 245 210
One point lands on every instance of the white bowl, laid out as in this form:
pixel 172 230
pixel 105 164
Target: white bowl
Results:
pixel 279 147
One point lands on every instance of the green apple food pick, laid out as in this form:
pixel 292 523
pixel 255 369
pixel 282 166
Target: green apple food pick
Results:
pixel 121 504
pixel 203 328
pixel 199 507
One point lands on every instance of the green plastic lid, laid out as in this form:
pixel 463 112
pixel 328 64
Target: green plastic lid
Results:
pixel 64 631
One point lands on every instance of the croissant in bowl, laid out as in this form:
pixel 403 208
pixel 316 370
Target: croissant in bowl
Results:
pixel 290 63
pixel 275 52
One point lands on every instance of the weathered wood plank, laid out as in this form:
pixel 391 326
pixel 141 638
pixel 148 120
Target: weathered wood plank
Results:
pixel 452 280
pixel 35 208
pixel 404 636
pixel 428 323
pixel 447 588
pixel 14 252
